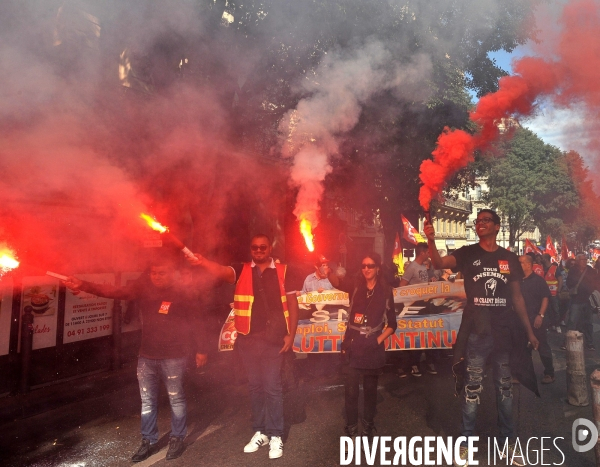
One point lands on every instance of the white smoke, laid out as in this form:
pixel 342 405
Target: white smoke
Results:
pixel 343 83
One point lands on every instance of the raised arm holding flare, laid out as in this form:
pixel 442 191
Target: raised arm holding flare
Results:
pixel 172 326
pixel 266 317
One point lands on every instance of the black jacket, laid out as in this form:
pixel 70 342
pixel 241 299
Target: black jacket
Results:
pixel 362 350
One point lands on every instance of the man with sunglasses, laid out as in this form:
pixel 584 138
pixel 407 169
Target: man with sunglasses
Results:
pixel 266 316
pixel 489 326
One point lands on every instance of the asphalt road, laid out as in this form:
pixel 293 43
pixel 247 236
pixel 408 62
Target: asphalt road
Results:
pixel 104 431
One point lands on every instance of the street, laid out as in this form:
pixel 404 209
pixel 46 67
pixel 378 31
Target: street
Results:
pixel 103 430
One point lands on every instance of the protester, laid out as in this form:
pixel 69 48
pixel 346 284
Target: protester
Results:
pixel 551 277
pixel 371 320
pixel 564 295
pixel 582 281
pixel 418 273
pixel 537 295
pixel 170 330
pixel 266 316
pixel 322 279
pixel 489 326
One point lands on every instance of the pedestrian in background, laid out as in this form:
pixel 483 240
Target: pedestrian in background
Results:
pixel 537 295
pixel 582 281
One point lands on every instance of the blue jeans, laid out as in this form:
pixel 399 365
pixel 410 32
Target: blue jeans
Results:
pixel 262 361
pixel 580 319
pixel 479 347
pixel 170 371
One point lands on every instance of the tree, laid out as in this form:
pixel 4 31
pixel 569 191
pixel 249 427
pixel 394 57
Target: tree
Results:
pixel 530 185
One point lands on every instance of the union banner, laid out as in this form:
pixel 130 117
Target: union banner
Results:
pixel 428 317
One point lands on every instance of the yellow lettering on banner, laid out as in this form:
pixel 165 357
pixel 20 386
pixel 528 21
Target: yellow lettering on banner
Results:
pixel 419 324
pixel 445 287
pixel 341 326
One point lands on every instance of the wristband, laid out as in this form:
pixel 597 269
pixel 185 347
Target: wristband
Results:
pixel 539 314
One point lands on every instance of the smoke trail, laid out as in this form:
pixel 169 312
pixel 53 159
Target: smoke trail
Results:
pixel 565 76
pixel 343 83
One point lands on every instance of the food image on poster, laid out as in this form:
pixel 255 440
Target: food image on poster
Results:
pixel 88 316
pixel 41 294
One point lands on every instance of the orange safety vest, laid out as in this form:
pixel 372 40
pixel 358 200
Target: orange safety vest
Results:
pixel 244 297
pixel 551 279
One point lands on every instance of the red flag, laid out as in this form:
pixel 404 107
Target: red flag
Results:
pixel 564 250
pixel 530 247
pixel 550 247
pixel 397 256
pixel 410 233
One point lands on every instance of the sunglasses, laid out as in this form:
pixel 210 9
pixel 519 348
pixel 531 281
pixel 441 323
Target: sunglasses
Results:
pixel 368 266
pixel 259 247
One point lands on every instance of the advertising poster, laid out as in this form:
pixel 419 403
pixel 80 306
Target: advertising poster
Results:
pixel 428 317
pixel 88 316
pixel 131 316
pixel 6 291
pixel 41 294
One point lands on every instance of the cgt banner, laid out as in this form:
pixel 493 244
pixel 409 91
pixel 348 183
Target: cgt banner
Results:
pixel 428 317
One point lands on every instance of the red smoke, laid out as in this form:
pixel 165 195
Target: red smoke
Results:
pixel 566 77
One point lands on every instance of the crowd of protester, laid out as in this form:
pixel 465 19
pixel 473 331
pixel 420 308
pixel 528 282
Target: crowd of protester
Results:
pixel 538 294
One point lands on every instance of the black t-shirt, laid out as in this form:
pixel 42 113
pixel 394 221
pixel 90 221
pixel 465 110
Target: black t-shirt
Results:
pixel 261 311
pixel 172 317
pixel 487 275
pixel 534 290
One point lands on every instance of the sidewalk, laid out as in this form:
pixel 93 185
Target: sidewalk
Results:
pixel 54 396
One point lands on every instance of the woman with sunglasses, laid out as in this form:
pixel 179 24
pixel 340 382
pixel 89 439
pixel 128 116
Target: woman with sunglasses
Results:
pixel 371 320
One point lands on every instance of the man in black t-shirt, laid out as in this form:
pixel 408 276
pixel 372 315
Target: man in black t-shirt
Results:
pixel 537 297
pixel 266 316
pixel 171 329
pixel 492 278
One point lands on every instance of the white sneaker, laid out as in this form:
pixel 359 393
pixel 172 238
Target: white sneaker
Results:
pixel 257 441
pixel 275 447
pixel 463 456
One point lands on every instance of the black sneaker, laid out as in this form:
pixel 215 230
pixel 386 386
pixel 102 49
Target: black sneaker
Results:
pixel 176 448
pixel 146 450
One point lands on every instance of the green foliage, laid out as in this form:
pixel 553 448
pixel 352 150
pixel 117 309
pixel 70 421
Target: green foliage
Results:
pixel 532 185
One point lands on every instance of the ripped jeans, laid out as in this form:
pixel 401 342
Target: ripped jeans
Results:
pixel 479 347
pixel 150 372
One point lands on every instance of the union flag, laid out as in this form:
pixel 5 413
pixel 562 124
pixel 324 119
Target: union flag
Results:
pixel 550 248
pixel 410 233
pixel 397 257
pixel 530 247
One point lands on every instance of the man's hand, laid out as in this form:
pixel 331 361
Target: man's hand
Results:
pixel 201 359
pixel 288 341
pixel 72 283
pixel 196 261
pixel 534 342
pixel 537 323
pixel 429 231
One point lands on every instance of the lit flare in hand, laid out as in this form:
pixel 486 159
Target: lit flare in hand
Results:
pixel 153 224
pixel 306 230
pixel 8 261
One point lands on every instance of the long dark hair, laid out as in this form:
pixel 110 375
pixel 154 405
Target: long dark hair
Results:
pixel 376 257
